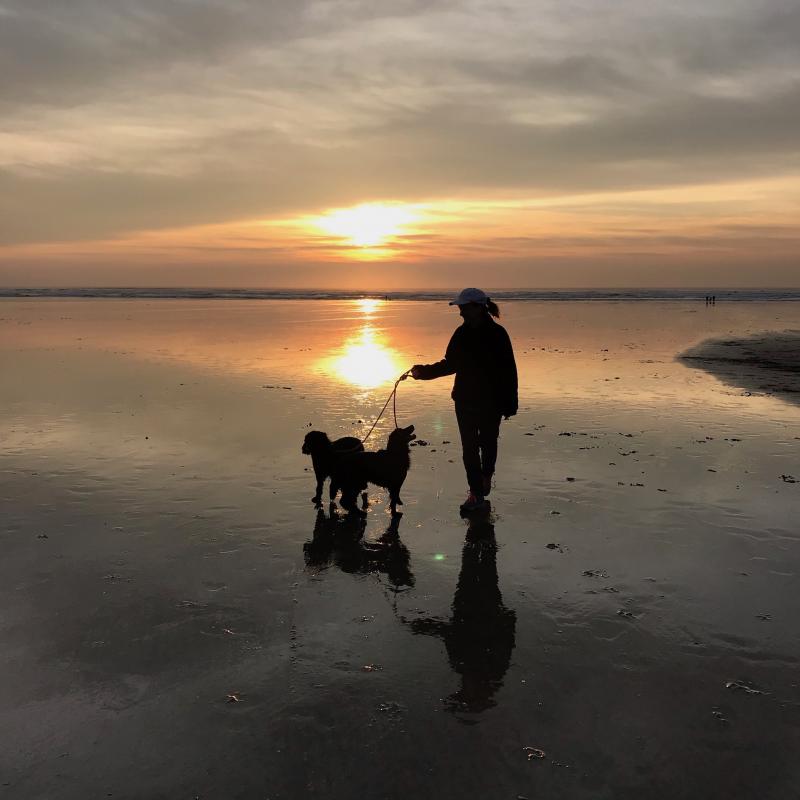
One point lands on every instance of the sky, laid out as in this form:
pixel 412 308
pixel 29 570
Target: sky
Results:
pixel 413 143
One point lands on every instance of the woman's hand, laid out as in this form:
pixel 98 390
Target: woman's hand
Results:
pixel 415 371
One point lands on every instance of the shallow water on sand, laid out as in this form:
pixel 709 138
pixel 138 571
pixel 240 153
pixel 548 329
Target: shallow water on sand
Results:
pixel 629 606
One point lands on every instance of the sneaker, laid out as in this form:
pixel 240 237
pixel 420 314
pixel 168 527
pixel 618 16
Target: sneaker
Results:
pixel 487 485
pixel 473 502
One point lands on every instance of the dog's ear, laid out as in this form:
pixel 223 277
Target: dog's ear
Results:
pixel 409 429
pixel 313 441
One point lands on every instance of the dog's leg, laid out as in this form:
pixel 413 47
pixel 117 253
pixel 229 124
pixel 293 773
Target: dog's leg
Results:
pixel 349 496
pixel 394 500
pixel 348 499
pixel 317 498
pixel 334 489
pixel 364 500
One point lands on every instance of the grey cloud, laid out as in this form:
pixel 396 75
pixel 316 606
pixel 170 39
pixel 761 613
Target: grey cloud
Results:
pixel 763 34
pixel 695 127
pixel 580 74
pixel 58 53
pixel 86 205
pixel 691 140
pixel 447 151
pixel 433 109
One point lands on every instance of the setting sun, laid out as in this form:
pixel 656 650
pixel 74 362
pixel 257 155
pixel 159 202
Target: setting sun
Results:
pixel 368 225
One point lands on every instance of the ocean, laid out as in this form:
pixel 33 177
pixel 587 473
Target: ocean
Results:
pixel 722 295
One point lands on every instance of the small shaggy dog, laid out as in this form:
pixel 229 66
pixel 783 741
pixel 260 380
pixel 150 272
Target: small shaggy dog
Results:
pixel 387 468
pixel 325 456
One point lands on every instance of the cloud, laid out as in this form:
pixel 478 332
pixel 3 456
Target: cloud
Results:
pixel 145 114
pixel 56 53
pixel 443 152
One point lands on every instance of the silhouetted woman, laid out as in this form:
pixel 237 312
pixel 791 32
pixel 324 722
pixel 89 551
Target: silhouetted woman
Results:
pixel 485 389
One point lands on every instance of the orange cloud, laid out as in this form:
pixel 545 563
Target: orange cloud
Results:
pixel 704 223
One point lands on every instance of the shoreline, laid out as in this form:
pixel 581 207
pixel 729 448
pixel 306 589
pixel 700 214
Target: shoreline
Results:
pixel 502 295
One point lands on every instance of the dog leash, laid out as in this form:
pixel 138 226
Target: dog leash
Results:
pixel 392 396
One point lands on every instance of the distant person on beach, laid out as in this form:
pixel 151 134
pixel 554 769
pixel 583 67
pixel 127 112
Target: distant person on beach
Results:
pixel 485 389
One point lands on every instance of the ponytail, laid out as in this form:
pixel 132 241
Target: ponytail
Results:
pixel 492 308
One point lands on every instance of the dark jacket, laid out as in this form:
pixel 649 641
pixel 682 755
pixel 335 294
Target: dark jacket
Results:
pixel 482 360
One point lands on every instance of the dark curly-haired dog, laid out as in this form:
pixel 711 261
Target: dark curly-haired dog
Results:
pixel 325 456
pixel 387 468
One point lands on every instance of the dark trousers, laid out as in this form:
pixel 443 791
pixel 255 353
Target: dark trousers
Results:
pixel 479 430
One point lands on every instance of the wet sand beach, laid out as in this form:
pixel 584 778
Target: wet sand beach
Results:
pixel 178 619
pixel 766 363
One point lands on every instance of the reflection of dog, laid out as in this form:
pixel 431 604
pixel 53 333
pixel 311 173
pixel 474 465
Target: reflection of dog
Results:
pixel 387 468
pixel 325 456
pixel 338 541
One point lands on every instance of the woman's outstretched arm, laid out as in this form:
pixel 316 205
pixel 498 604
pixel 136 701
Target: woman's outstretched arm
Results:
pixel 447 366
pixel 427 372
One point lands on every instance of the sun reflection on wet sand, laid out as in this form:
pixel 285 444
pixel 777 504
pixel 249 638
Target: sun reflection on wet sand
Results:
pixel 369 305
pixel 364 361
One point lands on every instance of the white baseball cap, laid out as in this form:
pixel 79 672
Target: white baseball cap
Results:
pixel 471 295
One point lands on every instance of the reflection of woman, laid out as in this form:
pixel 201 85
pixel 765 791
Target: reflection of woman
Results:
pixel 480 635
pixel 485 388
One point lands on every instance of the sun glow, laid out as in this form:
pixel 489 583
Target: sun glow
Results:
pixel 369 225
